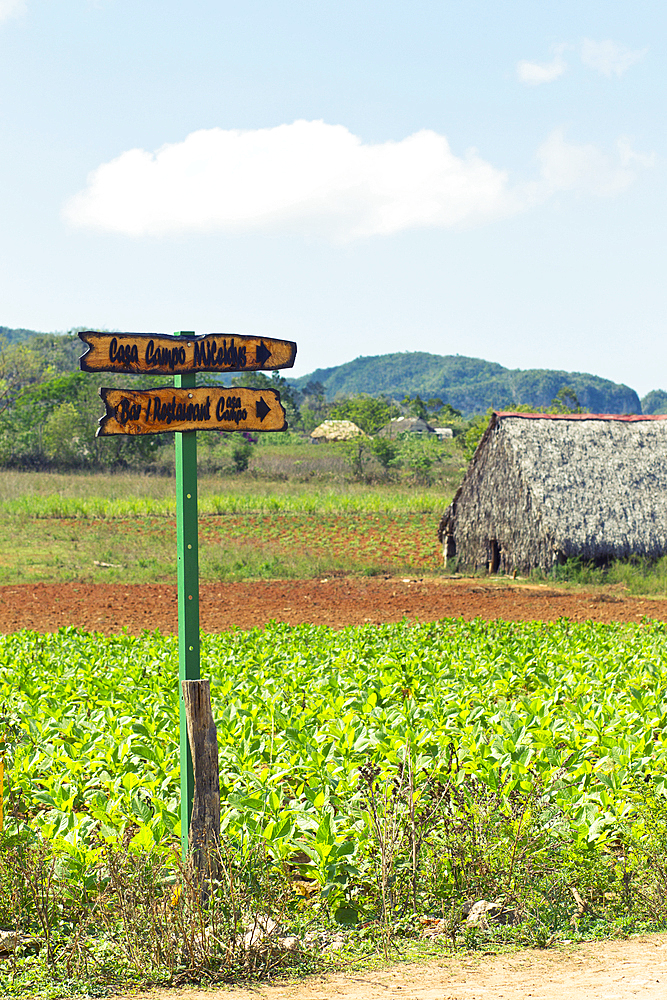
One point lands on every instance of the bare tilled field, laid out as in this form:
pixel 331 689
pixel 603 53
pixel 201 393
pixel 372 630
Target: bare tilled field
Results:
pixel 338 601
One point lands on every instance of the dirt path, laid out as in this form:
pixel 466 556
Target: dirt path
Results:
pixel 607 970
pixel 336 602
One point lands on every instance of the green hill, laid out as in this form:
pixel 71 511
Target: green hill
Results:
pixel 655 401
pixel 469 384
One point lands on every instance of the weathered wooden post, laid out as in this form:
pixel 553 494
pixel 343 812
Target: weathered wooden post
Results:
pixel 204 832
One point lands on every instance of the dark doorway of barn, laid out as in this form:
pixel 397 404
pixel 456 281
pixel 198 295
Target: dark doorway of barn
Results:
pixel 494 562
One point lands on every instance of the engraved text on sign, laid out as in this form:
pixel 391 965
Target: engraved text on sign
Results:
pixel 159 354
pixel 154 411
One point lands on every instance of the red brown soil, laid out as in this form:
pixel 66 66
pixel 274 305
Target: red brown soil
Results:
pixel 337 602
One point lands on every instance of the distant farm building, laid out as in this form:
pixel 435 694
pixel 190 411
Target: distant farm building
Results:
pixel 336 430
pixel 541 489
pixel 442 433
pixel 406 425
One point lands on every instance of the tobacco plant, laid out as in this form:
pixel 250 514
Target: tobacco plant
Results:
pixel 384 772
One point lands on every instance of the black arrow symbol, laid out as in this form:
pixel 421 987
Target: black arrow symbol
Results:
pixel 261 408
pixel 262 353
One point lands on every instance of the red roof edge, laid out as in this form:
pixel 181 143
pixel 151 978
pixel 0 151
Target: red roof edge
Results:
pixel 627 418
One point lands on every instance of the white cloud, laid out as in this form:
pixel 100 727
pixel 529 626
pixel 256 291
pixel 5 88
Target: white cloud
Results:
pixel 585 168
pixel 319 179
pixel 609 58
pixel 536 73
pixel 307 177
pixel 11 8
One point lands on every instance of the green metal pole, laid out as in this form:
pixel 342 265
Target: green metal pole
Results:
pixel 188 593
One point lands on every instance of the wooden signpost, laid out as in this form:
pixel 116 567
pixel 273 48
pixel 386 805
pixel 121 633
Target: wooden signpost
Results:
pixel 155 411
pixel 185 409
pixel 158 354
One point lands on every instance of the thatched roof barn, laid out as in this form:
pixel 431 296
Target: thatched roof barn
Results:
pixel 406 425
pixel 337 430
pixel 543 488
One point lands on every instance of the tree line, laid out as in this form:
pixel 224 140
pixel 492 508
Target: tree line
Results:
pixel 49 412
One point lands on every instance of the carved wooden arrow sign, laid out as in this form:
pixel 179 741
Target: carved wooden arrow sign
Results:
pixel 159 354
pixel 156 411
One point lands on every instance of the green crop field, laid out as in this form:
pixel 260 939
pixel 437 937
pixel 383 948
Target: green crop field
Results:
pixel 370 777
pixel 577 710
pixel 403 766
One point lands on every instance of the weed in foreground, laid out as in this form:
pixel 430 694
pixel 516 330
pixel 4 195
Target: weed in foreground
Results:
pixel 438 843
pixel 130 917
pixel 127 917
pixel 124 916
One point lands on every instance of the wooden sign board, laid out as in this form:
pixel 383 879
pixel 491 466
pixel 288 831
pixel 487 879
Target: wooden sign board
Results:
pixel 159 354
pixel 156 411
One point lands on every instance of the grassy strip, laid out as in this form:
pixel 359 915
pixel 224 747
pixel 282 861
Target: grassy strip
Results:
pixel 635 575
pixel 232 547
pixel 61 527
pixel 320 502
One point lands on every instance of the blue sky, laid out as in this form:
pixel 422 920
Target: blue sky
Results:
pixel 457 177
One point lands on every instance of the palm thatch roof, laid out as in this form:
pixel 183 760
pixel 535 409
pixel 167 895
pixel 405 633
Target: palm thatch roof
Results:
pixel 405 425
pixel 337 430
pixel 543 488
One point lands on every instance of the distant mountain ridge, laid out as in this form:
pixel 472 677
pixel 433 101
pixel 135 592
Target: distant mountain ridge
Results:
pixel 471 385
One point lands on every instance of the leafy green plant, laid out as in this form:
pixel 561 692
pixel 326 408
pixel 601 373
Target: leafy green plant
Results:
pixel 386 451
pixel 470 438
pixel 372 774
pixel 356 453
pixel 419 455
pixel 63 436
pixel 368 412
pixel 241 451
